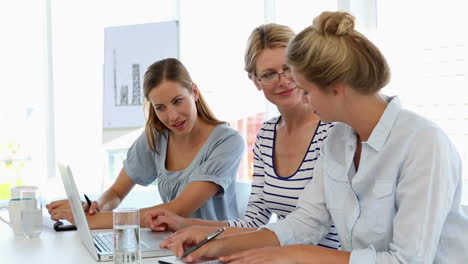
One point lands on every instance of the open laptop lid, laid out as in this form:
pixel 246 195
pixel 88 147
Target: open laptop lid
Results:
pixel 77 209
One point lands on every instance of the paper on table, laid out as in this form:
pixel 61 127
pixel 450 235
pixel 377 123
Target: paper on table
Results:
pixel 174 260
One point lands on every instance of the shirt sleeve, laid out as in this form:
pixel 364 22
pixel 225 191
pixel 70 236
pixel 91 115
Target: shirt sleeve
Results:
pixel 424 195
pixel 140 164
pixel 311 221
pixel 257 213
pixel 222 162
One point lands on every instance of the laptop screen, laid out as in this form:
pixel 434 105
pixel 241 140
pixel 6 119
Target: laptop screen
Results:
pixel 78 214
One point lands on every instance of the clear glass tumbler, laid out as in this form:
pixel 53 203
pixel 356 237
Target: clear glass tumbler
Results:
pixel 127 245
pixel 31 222
pixel 31 215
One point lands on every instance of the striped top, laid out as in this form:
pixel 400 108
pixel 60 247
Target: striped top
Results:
pixel 279 195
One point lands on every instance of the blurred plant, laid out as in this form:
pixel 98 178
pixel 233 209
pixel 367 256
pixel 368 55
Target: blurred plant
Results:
pixel 12 163
pixel 10 157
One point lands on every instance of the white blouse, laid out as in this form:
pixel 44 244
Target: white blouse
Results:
pixel 401 206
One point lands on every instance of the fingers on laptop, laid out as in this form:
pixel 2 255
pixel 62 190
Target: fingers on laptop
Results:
pixel 185 234
pixel 160 224
pixel 169 240
pixel 182 243
pixel 153 219
pixel 187 240
pixel 148 219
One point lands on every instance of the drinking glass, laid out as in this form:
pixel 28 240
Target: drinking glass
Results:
pixel 31 215
pixel 127 247
pixel 31 222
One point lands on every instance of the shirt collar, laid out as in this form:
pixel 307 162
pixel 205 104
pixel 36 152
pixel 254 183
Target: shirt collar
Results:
pixel 381 131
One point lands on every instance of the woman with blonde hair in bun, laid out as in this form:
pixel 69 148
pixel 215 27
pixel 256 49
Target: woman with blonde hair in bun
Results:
pixel 388 178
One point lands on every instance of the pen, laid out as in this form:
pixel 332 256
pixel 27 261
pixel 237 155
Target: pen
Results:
pixel 88 201
pixel 203 242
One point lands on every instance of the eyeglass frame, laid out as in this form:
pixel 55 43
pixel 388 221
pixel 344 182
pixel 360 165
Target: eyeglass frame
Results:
pixel 278 77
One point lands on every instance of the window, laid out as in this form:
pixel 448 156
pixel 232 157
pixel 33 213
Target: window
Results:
pixel 212 47
pixel 428 55
pixel 78 48
pixel 23 101
pixel 78 75
pixel 300 14
pixel 421 39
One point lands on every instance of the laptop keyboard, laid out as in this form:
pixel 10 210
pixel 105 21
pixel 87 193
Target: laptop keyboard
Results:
pixel 106 240
pixel 173 259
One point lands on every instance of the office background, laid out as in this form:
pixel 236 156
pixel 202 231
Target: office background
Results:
pixel 51 73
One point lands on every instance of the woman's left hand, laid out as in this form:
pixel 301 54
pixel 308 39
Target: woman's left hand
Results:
pixel 270 255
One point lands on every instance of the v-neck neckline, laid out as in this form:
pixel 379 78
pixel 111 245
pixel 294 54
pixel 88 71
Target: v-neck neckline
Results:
pixel 197 156
pixel 303 159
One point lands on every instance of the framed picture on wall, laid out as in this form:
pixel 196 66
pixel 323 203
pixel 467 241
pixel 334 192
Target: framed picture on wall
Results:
pixel 128 51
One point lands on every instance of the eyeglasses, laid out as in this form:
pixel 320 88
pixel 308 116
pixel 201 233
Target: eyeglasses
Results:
pixel 274 78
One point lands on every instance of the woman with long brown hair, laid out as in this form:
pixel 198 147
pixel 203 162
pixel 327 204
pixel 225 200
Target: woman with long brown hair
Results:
pixel 193 156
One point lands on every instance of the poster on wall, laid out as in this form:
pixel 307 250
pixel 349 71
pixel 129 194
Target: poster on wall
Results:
pixel 128 51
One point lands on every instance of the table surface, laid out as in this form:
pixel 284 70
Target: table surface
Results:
pixel 50 247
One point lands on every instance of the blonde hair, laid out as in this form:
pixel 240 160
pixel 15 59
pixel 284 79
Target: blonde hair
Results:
pixel 170 70
pixel 266 36
pixel 332 51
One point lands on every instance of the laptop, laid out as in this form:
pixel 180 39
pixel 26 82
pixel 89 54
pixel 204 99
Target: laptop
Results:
pixel 101 244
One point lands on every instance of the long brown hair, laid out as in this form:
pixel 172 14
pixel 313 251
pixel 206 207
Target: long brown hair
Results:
pixel 170 70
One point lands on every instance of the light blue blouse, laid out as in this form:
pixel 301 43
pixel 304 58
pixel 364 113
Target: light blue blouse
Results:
pixel 401 206
pixel 217 161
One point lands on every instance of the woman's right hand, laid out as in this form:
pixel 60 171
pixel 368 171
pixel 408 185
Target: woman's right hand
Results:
pixel 63 206
pixel 186 238
pixel 60 210
pixel 94 208
pixel 164 220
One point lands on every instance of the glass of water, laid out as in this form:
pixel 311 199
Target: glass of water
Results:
pixel 31 222
pixel 31 215
pixel 127 246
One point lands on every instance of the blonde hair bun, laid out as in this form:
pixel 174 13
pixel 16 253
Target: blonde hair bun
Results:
pixel 334 23
pixel 331 51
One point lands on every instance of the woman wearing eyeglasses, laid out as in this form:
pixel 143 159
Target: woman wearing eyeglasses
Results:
pixel 390 180
pixel 286 147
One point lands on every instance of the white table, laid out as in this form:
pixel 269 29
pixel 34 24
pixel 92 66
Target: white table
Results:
pixel 50 247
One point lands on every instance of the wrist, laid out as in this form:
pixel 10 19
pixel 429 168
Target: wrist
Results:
pixel 91 222
pixel 102 220
pixel 296 253
pixel 304 253
pixel 218 249
pixel 187 222
pixel 103 206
